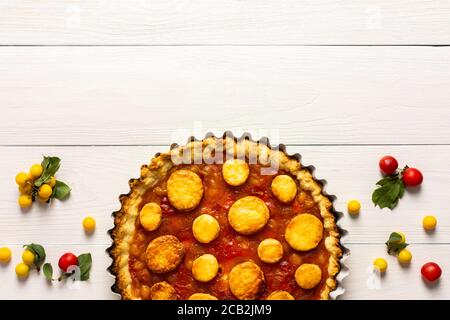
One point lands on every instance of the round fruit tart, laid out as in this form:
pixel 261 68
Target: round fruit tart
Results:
pixel 225 219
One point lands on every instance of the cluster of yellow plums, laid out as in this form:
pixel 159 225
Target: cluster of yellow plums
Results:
pixel 23 268
pixel 404 256
pixel 25 181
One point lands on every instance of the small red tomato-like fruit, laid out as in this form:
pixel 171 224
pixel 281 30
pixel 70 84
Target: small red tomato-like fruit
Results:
pixel 67 259
pixel 412 177
pixel 388 165
pixel 431 271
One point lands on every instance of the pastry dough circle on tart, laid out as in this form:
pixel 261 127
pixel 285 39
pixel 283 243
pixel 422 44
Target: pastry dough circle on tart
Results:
pixel 270 250
pixel 159 263
pixel 246 280
pixel 284 188
pixel 163 291
pixel 304 232
pixel 205 268
pixel 205 228
pixel 184 189
pixel 248 215
pixel 164 254
pixel 150 216
pixel 280 295
pixel 235 172
pixel 202 296
pixel 308 276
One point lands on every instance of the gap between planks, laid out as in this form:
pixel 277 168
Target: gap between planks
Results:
pixel 168 144
pixel 226 45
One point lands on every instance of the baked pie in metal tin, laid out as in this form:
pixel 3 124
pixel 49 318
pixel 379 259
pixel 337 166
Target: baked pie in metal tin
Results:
pixel 225 218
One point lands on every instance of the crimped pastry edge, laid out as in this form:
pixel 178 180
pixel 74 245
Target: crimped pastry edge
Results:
pixel 161 163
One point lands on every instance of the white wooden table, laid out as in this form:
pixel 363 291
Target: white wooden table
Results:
pixel 107 84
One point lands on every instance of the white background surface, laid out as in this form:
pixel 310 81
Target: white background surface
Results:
pixel 107 84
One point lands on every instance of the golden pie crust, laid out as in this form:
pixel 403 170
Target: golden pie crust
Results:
pixel 304 232
pixel 205 268
pixel 308 276
pixel 164 254
pixel 184 189
pixel 163 291
pixel 246 280
pixel 205 228
pixel 186 195
pixel 248 215
pixel 270 250
pixel 284 188
pixel 150 216
pixel 235 172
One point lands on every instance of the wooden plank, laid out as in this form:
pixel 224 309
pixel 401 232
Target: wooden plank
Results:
pixel 396 284
pixel 51 22
pixel 98 175
pixel 155 95
pixel 399 282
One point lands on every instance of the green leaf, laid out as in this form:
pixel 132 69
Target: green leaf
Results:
pixel 39 254
pixel 85 263
pixel 50 166
pixel 386 195
pixel 390 190
pixel 48 271
pixel 394 244
pixel 387 179
pixel 402 190
pixel 394 237
pixel 61 190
